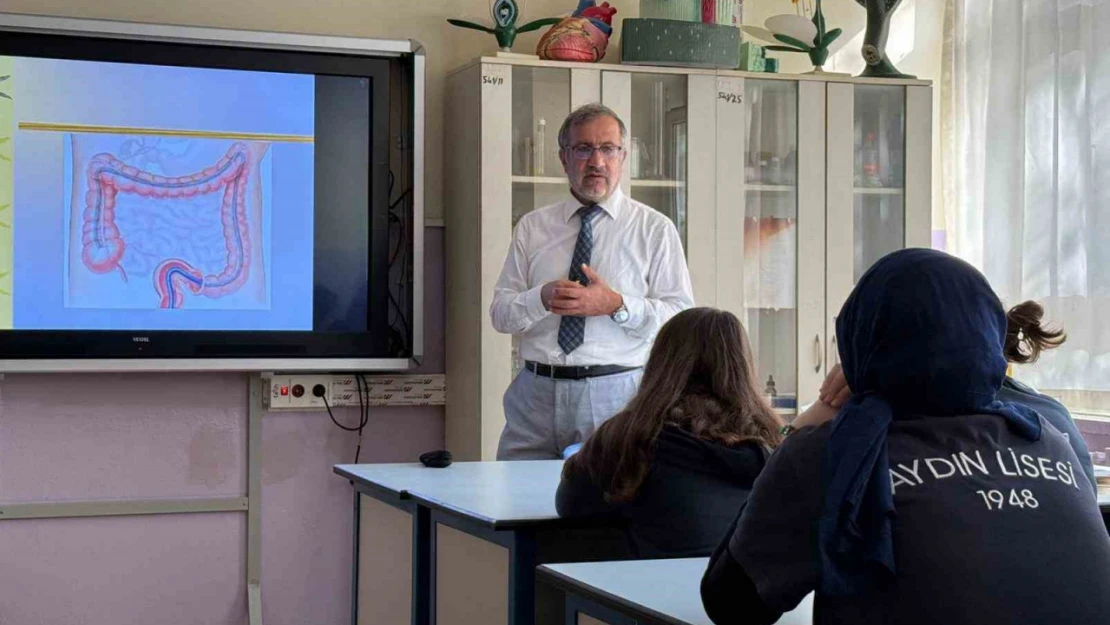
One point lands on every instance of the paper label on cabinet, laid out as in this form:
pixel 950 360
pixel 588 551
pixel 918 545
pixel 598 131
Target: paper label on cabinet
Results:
pixel 494 76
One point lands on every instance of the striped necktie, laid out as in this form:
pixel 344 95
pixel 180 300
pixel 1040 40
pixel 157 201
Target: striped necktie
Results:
pixel 572 330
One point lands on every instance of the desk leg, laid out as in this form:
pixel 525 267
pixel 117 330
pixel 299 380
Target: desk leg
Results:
pixel 423 580
pixel 522 578
pixel 354 560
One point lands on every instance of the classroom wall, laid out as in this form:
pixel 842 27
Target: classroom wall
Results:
pixel 126 436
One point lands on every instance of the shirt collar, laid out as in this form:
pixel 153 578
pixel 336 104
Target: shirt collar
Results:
pixel 612 205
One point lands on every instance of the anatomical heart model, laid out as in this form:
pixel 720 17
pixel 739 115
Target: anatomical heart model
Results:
pixel 583 36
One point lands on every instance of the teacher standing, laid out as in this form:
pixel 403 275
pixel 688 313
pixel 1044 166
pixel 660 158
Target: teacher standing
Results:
pixel 586 285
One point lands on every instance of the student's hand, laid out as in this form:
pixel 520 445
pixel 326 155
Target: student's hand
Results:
pixel 547 293
pixel 819 412
pixel 595 300
pixel 834 390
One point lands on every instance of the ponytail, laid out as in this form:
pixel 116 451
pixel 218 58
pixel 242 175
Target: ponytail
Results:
pixel 1025 338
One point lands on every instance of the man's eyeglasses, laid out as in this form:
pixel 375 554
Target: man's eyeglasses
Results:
pixel 585 152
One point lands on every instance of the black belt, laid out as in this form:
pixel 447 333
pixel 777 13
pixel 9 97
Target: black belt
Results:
pixel 574 373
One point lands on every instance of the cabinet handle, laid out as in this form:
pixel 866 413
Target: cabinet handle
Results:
pixel 817 351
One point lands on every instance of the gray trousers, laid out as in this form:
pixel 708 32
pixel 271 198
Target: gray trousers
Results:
pixel 544 416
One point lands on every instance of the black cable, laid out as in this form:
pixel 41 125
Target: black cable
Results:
pixel 362 386
pixel 364 408
pixel 338 424
pixel 394 203
pixel 393 255
pixel 400 283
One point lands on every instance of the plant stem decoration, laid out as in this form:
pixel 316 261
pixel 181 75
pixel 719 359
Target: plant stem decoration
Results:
pixel 505 13
pixel 818 49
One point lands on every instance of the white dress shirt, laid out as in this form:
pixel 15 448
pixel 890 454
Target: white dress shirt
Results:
pixel 637 251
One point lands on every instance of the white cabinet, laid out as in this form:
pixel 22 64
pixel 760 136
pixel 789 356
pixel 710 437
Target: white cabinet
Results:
pixel 784 189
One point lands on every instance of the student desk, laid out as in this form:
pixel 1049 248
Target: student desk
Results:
pixel 644 592
pixel 460 545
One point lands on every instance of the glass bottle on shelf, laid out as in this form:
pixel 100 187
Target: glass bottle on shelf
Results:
pixel 540 143
pixel 869 157
pixel 769 391
pixel 527 153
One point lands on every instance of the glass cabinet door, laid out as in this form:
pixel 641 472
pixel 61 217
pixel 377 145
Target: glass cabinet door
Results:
pixel 867 176
pixel 657 144
pixel 771 236
pixel 879 180
pixel 541 101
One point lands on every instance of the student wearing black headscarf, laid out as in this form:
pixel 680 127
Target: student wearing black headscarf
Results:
pixel 1025 340
pixel 927 500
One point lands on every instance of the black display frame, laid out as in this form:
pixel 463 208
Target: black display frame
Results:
pixel 250 350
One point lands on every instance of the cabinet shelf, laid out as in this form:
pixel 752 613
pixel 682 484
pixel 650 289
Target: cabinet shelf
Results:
pixel 539 180
pixel 662 184
pixel 878 191
pixel 770 188
pixel 556 180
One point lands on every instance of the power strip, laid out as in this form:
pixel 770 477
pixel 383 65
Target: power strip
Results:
pixel 300 392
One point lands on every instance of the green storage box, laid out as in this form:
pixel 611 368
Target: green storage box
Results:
pixel 672 43
pixel 681 10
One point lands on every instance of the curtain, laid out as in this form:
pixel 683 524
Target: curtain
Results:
pixel 1025 125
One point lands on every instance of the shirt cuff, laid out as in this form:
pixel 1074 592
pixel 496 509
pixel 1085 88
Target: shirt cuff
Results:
pixel 533 304
pixel 635 306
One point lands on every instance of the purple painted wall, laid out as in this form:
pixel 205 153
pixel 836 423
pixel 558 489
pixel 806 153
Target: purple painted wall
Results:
pixel 113 436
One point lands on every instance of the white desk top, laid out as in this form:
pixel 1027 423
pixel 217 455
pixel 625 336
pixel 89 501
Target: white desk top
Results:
pixel 498 494
pixel 494 493
pixel 393 478
pixel 665 591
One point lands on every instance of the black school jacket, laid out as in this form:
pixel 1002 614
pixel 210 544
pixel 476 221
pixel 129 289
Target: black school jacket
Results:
pixel 689 498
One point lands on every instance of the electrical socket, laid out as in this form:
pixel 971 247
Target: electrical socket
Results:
pixel 301 391
pixel 343 390
pixel 295 392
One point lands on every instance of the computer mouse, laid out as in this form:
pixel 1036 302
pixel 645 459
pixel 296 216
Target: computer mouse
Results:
pixel 436 459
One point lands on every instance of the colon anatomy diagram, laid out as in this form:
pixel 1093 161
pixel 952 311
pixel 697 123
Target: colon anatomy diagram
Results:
pixel 157 220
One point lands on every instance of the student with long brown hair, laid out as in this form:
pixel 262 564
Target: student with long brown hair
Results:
pixel 678 462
